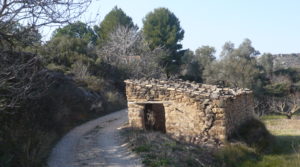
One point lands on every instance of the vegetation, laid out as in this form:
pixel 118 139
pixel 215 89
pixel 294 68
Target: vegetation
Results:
pixel 283 149
pixel 162 29
pixel 158 149
pixel 116 17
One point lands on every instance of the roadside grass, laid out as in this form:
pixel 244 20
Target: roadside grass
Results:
pixel 284 152
pixel 272 117
pixel 279 116
pixel 158 149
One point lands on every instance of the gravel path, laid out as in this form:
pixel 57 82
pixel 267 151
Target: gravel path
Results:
pixel 94 144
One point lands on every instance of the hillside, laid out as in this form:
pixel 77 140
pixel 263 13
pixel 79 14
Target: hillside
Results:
pixel 287 60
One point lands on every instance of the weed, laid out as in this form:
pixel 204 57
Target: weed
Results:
pixel 142 148
pixel 158 149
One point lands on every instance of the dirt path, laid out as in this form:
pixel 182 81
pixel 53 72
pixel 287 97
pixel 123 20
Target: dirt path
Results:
pixel 95 144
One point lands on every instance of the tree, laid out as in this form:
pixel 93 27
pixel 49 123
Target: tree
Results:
pixel 121 46
pixel 162 29
pixel 63 51
pixel 267 62
pixel 205 55
pixel 237 67
pixel 73 43
pixel 30 37
pixel 287 105
pixel 127 50
pixel 18 70
pixel 78 30
pixel 21 78
pixel 116 17
pixel 190 67
pixel 36 14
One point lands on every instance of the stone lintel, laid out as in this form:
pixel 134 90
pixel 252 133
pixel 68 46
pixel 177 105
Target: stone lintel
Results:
pixel 151 102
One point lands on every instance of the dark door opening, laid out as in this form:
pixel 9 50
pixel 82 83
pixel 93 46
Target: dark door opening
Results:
pixel 155 117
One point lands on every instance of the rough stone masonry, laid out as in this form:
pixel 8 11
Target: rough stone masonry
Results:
pixel 191 112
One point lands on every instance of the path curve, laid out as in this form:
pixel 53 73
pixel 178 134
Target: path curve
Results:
pixel 94 144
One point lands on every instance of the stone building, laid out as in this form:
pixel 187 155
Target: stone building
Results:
pixel 191 112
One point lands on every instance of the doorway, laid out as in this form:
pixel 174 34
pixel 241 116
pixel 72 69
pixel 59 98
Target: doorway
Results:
pixel 154 117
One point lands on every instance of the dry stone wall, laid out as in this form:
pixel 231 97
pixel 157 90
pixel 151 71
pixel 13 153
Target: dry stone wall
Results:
pixel 195 113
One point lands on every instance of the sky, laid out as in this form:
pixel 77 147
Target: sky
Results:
pixel 273 26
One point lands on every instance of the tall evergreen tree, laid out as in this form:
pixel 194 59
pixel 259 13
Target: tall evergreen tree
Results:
pixel 162 29
pixel 116 17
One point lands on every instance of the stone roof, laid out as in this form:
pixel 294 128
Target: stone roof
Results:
pixel 192 88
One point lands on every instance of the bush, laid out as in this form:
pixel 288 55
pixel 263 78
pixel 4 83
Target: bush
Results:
pixel 236 155
pixel 255 134
pixel 278 89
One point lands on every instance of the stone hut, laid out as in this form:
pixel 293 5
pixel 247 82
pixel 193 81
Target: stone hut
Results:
pixel 191 112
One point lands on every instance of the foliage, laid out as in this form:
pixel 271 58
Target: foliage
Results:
pixel 290 73
pixel 20 75
pixel 284 151
pixel 277 89
pixel 29 38
pixel 64 50
pixel 22 79
pixel 190 67
pixel 80 70
pixel 70 44
pixel 287 105
pixel 36 14
pixel 78 30
pixel 254 133
pixel 193 65
pixel 162 29
pixel 236 156
pixel 205 55
pixel 267 62
pixel 237 67
pixel 116 17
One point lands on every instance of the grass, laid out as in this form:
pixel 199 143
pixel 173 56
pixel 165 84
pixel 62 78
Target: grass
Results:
pixel 157 149
pixel 278 116
pixel 282 127
pixel 285 154
pixel 285 150
pixel 272 117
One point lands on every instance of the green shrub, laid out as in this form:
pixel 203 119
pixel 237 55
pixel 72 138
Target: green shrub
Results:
pixel 254 133
pixel 278 89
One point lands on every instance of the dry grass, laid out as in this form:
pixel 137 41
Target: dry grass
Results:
pixel 283 126
pixel 284 150
pixel 157 149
